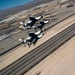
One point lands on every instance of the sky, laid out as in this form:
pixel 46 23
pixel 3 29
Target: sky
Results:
pixel 4 4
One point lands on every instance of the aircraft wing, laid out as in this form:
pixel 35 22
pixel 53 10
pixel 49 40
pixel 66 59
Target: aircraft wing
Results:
pixel 38 32
pixel 29 22
pixel 28 38
pixel 39 36
pixel 37 18
pixel 46 21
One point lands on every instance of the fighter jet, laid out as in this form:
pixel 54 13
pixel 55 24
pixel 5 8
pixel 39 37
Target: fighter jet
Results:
pixel 31 21
pixel 41 25
pixel 33 38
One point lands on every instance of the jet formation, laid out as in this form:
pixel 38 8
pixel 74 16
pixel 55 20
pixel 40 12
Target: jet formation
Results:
pixel 33 37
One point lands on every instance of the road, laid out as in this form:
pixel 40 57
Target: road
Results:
pixel 60 62
pixel 35 56
pixel 64 61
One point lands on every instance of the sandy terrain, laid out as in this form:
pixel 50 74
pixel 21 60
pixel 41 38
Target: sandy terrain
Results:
pixel 60 62
pixel 20 51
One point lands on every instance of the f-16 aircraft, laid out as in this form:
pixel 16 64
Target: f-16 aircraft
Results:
pixel 33 38
pixel 31 22
pixel 41 25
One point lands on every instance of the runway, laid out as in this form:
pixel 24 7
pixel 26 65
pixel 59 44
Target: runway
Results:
pixel 35 56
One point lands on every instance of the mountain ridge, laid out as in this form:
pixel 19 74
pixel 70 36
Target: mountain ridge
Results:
pixel 14 10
